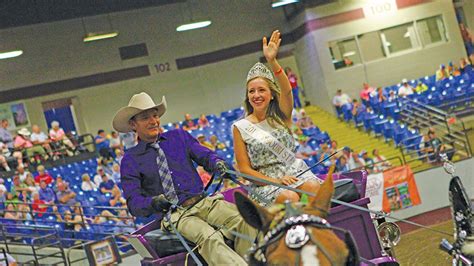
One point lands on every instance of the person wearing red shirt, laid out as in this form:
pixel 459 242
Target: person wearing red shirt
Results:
pixel 39 206
pixel 43 176
pixel 294 87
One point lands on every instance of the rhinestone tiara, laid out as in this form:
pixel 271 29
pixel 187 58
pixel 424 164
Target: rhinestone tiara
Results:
pixel 260 70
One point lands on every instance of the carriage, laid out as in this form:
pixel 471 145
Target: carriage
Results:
pixel 373 237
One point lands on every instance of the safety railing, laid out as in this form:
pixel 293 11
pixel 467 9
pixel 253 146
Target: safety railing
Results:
pixel 421 117
pixel 53 232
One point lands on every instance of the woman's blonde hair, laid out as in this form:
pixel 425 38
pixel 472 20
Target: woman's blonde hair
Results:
pixel 274 114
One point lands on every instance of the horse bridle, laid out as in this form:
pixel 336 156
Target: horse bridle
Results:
pixel 297 236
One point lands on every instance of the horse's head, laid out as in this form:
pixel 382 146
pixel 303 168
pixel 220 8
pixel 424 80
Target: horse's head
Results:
pixel 295 234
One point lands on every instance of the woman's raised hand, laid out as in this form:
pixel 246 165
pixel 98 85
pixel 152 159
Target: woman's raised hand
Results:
pixel 270 48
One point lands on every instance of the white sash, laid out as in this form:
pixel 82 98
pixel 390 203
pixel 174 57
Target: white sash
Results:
pixel 284 154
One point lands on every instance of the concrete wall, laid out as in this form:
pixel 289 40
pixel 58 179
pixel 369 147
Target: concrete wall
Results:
pixel 381 72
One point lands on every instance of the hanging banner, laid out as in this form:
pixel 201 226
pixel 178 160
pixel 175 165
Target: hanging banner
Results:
pixel 392 190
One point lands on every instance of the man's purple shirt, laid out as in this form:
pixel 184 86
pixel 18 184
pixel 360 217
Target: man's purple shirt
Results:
pixel 139 170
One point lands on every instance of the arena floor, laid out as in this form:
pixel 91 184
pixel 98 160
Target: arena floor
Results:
pixel 420 247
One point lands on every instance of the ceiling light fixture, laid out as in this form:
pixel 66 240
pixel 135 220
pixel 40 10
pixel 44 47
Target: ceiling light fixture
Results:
pixel 90 37
pixel 278 3
pixel 194 25
pixel 10 54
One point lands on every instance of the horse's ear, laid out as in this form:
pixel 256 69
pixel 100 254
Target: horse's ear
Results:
pixel 322 201
pixel 252 213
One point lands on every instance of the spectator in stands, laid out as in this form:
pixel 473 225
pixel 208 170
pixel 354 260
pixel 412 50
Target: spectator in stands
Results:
pixel 305 121
pixel 215 143
pixel 46 193
pixel 366 161
pixel 348 62
pixel 294 87
pixel 381 164
pixel 3 190
pixel 341 165
pixel 114 141
pixel 99 176
pixel 38 205
pixel 19 189
pixel 125 223
pixel 435 146
pixel 333 146
pixel 349 155
pixel 453 70
pixel 11 213
pixel 467 38
pixel 442 73
pixel 65 195
pixel 58 136
pixel 43 175
pixel 31 185
pixel 464 65
pixel 205 176
pixel 118 156
pixel 38 137
pixel 22 142
pixel 87 184
pixel 304 151
pixel 405 89
pixel 392 96
pixel 106 185
pixel 22 173
pixel 380 95
pixel 420 87
pixel 188 123
pixel 340 100
pixel 365 93
pixel 357 107
pixel 5 136
pixel 115 176
pixel 70 223
pixel 203 122
pixel 102 144
pixel 202 140
pixel 129 140
pixel 4 163
pixel 9 155
pixel 324 152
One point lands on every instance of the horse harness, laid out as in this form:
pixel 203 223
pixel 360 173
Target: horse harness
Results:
pixel 296 236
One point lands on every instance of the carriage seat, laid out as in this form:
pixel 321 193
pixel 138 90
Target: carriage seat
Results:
pixel 165 244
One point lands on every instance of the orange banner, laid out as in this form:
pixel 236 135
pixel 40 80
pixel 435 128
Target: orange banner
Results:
pixel 400 189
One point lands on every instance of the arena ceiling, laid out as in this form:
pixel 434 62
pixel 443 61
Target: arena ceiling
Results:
pixel 15 13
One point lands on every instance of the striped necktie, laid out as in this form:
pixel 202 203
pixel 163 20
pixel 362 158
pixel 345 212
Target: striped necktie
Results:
pixel 165 174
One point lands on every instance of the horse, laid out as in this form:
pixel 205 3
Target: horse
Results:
pixel 297 233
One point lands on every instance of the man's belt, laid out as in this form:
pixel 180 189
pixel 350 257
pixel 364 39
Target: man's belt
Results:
pixel 191 201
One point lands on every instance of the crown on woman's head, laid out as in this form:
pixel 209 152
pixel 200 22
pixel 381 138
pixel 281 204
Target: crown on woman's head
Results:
pixel 260 70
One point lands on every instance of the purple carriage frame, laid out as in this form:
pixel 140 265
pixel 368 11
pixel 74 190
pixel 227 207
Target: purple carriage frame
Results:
pixel 358 222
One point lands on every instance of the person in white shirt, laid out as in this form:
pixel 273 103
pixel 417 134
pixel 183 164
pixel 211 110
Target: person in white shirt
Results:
pixel 98 176
pixel 87 184
pixel 405 89
pixel 22 173
pixel 115 142
pixel 340 100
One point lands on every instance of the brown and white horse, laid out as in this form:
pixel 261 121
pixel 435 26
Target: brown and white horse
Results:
pixel 295 234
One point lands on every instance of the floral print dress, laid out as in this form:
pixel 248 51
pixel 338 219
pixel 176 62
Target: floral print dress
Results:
pixel 264 161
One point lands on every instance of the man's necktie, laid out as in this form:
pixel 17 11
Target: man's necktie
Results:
pixel 165 175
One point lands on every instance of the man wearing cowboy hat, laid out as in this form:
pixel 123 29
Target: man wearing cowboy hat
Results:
pixel 159 171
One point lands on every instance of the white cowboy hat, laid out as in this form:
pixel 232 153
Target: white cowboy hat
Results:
pixel 24 132
pixel 138 103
